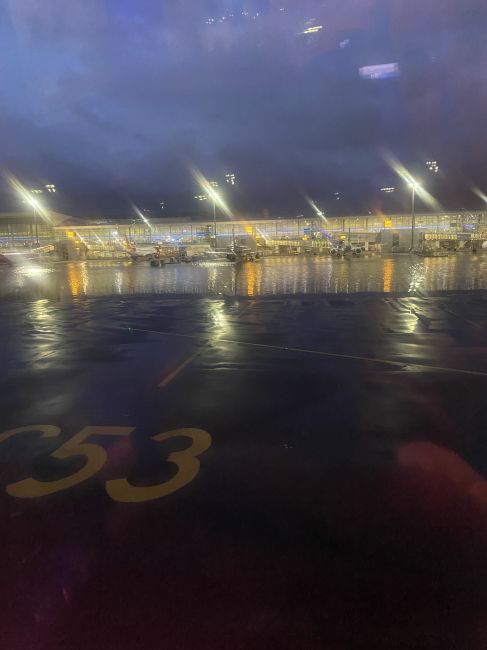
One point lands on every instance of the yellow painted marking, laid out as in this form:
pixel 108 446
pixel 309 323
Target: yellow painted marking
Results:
pixel 398 364
pixel 48 431
pixel 95 459
pixel 171 376
pixel 186 461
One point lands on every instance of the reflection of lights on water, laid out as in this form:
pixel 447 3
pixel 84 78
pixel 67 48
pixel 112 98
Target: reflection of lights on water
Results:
pixel 417 277
pixel 31 275
pixel 42 312
pixel 119 281
pixel 274 275
pixel 33 271
pixel 219 318
pixel 251 278
pixel 388 270
pixel 77 278
pixel 212 279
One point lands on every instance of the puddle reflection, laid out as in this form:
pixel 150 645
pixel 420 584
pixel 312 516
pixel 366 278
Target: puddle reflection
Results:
pixel 271 276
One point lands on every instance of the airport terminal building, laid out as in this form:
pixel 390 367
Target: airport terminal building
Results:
pixel 388 233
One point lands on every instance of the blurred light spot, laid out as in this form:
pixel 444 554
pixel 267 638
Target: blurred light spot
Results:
pixel 382 71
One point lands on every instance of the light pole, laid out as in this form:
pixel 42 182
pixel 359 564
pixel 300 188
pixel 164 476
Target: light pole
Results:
pixel 415 186
pixel 214 196
pixel 35 206
pixel 214 219
pixel 213 186
pixel 205 197
pixel 36 230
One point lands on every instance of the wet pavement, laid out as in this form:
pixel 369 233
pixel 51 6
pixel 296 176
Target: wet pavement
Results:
pixel 282 472
pixel 270 276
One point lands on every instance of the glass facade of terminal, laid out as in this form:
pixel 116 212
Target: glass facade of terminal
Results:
pixel 272 229
pixel 21 230
pixel 25 230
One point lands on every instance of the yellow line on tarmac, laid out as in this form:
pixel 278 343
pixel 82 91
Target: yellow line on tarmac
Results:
pixel 171 376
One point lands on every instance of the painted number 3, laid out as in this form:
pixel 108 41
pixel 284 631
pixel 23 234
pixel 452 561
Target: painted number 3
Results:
pixel 186 461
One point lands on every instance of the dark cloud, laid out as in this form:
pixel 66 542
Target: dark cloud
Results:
pixel 115 100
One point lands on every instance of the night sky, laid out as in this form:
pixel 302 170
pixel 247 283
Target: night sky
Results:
pixel 115 101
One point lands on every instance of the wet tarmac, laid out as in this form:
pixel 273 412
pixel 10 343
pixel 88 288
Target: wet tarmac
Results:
pixel 282 472
pixel 270 276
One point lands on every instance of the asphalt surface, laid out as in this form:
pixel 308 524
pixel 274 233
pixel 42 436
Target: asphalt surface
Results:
pixel 325 489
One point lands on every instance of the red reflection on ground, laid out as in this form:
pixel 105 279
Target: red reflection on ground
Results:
pixel 442 465
pixel 389 556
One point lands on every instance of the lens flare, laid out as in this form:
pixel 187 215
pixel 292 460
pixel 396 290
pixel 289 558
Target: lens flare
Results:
pixel 408 178
pixel 478 192
pixel 141 215
pixel 211 192
pixel 27 197
pixel 315 207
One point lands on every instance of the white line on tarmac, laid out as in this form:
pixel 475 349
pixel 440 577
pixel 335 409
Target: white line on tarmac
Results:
pixel 336 355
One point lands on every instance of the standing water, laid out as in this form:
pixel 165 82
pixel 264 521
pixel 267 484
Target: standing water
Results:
pixel 65 281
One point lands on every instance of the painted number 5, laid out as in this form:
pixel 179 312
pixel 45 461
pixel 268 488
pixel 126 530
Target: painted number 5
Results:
pixel 95 457
pixel 186 461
